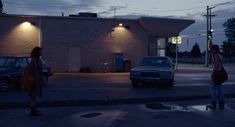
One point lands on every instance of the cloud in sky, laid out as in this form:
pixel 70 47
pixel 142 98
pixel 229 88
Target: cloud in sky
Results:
pixel 49 7
pixel 225 3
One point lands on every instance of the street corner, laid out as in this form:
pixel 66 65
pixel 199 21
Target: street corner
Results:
pixel 104 118
pixel 225 115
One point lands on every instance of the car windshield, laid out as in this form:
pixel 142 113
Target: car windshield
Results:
pixel 9 62
pixel 155 61
pixel 2 61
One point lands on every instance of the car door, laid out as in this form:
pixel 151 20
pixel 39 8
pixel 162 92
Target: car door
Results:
pixel 17 72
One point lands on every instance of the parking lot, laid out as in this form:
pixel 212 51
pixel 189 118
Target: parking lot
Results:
pixel 184 76
pixel 115 88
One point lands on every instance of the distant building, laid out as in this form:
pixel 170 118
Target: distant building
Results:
pixel 102 44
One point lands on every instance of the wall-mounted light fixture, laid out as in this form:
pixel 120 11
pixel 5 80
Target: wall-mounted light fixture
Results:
pixel 26 24
pixel 120 25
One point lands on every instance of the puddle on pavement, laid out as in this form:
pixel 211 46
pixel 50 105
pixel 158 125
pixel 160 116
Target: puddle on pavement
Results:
pixel 203 108
pixel 164 106
pixel 157 106
pixel 200 107
pixel 90 115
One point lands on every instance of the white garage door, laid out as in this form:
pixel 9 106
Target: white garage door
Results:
pixel 74 59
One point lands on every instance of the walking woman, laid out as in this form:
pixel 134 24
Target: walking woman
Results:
pixel 217 92
pixel 35 67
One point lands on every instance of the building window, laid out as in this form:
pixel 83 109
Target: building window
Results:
pixel 161 44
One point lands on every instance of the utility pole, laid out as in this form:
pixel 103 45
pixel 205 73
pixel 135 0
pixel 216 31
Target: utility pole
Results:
pixel 187 47
pixel 211 30
pixel 176 56
pixel 208 28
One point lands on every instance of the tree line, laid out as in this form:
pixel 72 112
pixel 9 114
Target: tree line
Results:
pixel 227 48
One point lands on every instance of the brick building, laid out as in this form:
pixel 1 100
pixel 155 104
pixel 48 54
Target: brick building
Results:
pixel 102 44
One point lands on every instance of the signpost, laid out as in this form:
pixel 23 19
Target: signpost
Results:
pixel 176 41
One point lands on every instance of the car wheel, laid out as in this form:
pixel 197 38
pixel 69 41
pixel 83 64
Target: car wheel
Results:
pixel 44 80
pixel 4 85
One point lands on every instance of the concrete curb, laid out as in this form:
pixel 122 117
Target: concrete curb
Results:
pixel 84 102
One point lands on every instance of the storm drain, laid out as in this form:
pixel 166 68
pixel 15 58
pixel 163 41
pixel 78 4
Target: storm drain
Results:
pixel 90 115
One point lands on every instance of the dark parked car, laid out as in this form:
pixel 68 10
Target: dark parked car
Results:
pixel 153 69
pixel 11 70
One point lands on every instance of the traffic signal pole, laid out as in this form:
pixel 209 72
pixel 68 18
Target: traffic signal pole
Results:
pixel 209 34
pixel 207 39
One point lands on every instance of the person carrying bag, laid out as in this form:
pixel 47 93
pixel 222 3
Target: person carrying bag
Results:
pixel 27 81
pixel 32 80
pixel 218 77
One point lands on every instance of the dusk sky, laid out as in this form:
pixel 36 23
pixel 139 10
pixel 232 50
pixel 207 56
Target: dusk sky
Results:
pixel 186 9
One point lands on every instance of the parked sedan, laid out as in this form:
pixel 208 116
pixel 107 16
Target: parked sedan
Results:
pixel 11 71
pixel 153 69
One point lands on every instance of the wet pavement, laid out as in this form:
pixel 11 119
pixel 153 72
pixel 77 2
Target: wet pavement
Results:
pixel 109 101
pixel 122 116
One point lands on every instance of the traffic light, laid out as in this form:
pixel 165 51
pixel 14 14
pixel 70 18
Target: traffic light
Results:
pixel 209 35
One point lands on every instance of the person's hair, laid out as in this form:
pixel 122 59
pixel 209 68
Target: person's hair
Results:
pixel 36 52
pixel 215 47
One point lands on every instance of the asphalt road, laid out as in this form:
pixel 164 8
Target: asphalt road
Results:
pixel 187 76
pixel 76 86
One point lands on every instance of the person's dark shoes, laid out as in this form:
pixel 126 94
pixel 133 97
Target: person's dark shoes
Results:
pixel 35 112
pixel 210 107
pixel 221 106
